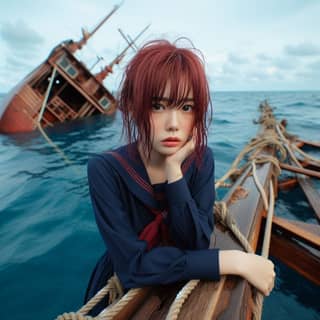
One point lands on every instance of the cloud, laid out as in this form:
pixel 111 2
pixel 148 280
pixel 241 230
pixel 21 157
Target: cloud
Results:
pixel 302 50
pixel 315 65
pixel 22 47
pixel 236 59
pixel 263 57
pixel 19 36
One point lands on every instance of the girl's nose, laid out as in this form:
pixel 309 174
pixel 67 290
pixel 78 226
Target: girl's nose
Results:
pixel 172 120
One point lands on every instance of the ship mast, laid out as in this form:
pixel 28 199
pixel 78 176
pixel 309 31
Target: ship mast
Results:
pixel 74 46
pixel 108 69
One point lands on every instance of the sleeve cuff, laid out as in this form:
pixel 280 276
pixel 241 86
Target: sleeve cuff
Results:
pixel 178 192
pixel 203 264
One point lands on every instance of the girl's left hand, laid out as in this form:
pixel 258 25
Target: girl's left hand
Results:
pixel 174 161
pixel 177 158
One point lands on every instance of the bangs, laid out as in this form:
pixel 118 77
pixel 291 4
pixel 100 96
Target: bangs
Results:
pixel 178 81
pixel 177 71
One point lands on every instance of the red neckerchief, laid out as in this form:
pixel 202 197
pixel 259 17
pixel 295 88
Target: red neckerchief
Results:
pixel 156 232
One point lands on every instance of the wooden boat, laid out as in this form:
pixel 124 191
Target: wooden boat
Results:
pixel 295 243
pixel 60 89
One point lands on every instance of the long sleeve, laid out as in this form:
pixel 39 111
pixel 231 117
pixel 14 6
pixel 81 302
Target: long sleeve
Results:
pixel 134 265
pixel 190 216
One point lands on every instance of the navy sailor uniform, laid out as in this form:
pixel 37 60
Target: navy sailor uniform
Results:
pixel 124 203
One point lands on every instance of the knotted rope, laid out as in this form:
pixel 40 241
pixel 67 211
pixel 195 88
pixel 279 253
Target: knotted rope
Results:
pixel 113 288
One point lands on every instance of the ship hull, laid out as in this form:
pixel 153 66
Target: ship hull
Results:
pixel 60 89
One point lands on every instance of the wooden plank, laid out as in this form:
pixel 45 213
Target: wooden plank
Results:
pixel 308 232
pixel 310 143
pixel 148 308
pixel 305 262
pixel 287 184
pixel 311 193
pixel 233 291
pixel 310 165
pixel 295 169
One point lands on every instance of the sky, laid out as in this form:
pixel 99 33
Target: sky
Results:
pixel 248 45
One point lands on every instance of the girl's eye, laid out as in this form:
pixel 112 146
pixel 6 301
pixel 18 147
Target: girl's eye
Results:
pixel 157 107
pixel 187 108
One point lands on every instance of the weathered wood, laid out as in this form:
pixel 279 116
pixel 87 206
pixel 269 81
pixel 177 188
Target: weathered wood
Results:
pixel 299 144
pixel 307 232
pixel 310 165
pixel 295 169
pixel 304 261
pixel 310 143
pixel 149 306
pixel 220 302
pixel 287 184
pixel 311 193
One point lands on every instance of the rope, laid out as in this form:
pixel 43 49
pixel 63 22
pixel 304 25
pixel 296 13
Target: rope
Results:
pixel 258 298
pixel 114 289
pixel 180 299
pixel 287 145
pixel 226 219
pixel 73 316
pixel 259 186
pixel 53 145
pixel 307 156
pixel 108 314
pixel 255 147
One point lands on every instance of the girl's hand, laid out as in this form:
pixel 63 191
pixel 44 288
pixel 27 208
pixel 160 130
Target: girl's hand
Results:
pixel 174 161
pixel 257 270
pixel 178 157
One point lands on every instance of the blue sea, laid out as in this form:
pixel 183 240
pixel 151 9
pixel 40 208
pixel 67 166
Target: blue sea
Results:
pixel 49 242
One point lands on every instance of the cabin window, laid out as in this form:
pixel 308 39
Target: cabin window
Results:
pixel 104 102
pixel 66 65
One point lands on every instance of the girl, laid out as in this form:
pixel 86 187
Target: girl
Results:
pixel 153 198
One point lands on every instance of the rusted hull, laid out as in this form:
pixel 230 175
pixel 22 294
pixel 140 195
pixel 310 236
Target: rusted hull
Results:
pixel 16 117
pixel 21 111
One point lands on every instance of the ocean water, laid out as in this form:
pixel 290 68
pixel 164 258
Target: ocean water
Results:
pixel 49 242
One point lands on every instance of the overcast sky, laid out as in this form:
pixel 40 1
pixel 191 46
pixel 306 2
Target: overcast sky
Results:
pixel 247 44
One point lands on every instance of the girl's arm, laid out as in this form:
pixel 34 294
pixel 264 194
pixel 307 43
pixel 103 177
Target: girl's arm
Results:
pixel 190 206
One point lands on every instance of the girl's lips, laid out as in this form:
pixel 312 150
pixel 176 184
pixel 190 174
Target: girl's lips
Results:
pixel 171 139
pixel 170 143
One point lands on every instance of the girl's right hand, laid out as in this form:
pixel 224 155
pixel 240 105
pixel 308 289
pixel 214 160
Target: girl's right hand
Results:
pixel 259 271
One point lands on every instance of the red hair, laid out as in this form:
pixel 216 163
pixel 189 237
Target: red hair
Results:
pixel 157 63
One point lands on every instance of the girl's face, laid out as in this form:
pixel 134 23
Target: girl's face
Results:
pixel 171 125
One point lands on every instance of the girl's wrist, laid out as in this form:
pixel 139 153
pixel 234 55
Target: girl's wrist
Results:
pixel 173 172
pixel 231 262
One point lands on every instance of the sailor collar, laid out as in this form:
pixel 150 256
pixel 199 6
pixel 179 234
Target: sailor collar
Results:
pixel 128 164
